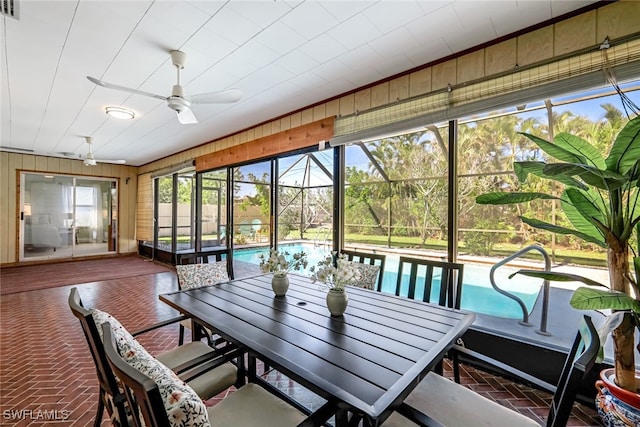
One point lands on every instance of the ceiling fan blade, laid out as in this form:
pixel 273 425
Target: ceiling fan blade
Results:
pixel 115 162
pixel 231 95
pixel 125 89
pixel 186 117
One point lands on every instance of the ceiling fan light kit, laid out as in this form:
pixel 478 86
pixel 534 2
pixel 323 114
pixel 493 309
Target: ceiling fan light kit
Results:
pixel 120 113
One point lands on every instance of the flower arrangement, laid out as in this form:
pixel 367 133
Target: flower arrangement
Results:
pixel 280 263
pixel 335 272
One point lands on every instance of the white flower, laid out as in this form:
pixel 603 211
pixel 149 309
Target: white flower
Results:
pixel 335 272
pixel 278 264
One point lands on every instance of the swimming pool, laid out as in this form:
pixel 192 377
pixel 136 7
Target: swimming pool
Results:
pixel 477 293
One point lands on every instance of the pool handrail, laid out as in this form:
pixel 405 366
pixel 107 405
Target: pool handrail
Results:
pixel 545 284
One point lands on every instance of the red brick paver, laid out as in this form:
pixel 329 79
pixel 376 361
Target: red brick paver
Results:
pixel 47 376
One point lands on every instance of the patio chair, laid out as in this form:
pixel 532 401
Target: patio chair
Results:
pixel 192 276
pixel 161 397
pixel 421 273
pixel 367 260
pixel 439 401
pixel 181 359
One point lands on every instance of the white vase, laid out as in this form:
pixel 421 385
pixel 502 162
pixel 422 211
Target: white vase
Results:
pixel 337 301
pixel 280 284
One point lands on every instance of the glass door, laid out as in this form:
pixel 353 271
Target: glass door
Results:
pixel 251 217
pixel 213 226
pixel 93 213
pixel 64 216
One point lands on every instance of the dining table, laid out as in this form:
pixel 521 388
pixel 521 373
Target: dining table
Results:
pixel 364 363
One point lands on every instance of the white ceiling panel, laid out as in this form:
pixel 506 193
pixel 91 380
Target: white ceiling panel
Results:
pixel 343 10
pixel 355 32
pixel 389 16
pixel 262 13
pixel 282 55
pixel 310 20
pixel 323 48
pixel 280 38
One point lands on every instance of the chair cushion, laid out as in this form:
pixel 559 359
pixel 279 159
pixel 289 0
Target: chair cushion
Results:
pixel 209 384
pixel 452 404
pixel 368 273
pixel 184 353
pixel 184 407
pixel 251 405
pixel 187 323
pixel 124 340
pixel 196 275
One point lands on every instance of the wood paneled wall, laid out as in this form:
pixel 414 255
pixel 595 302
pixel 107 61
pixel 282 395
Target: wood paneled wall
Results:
pixel 11 164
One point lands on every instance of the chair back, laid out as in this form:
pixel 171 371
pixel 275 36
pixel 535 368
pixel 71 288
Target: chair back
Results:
pixel 196 275
pixel 450 293
pixel 368 258
pixel 109 390
pixel 579 362
pixel 141 391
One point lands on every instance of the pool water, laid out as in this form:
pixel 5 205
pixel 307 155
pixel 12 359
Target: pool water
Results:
pixel 477 293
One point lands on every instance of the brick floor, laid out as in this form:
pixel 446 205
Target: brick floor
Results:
pixel 47 376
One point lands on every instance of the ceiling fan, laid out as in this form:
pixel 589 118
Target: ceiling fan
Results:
pixel 177 101
pixel 89 160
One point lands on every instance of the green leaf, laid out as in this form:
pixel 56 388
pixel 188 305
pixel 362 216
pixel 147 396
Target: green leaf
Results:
pixel 523 169
pixel 511 198
pixel 554 150
pixel 562 230
pixel 625 150
pixel 582 148
pixel 557 277
pixel 602 179
pixel 598 299
pixel 583 214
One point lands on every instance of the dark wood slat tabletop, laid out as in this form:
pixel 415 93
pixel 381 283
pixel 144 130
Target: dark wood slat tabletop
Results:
pixel 368 360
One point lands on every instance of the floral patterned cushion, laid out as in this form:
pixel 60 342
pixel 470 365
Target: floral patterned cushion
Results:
pixel 196 275
pixel 368 274
pixel 124 340
pixel 184 407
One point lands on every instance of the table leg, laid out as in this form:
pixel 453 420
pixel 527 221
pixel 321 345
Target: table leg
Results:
pixel 251 369
pixel 242 371
pixel 342 416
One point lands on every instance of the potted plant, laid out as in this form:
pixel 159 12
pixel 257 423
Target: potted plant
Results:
pixel 335 273
pixel 601 200
pixel 280 264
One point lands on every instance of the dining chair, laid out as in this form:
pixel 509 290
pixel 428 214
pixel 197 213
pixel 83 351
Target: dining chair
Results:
pixel 442 277
pixel 192 276
pixel 416 273
pixel 162 397
pixel 368 261
pixel 181 359
pixel 439 401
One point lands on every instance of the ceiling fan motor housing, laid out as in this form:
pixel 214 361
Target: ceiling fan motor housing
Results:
pixel 177 100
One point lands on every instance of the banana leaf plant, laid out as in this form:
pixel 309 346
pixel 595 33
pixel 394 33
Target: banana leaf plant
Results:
pixel 601 200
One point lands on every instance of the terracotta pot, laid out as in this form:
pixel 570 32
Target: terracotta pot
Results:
pixel 337 302
pixel 280 284
pixel 629 397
